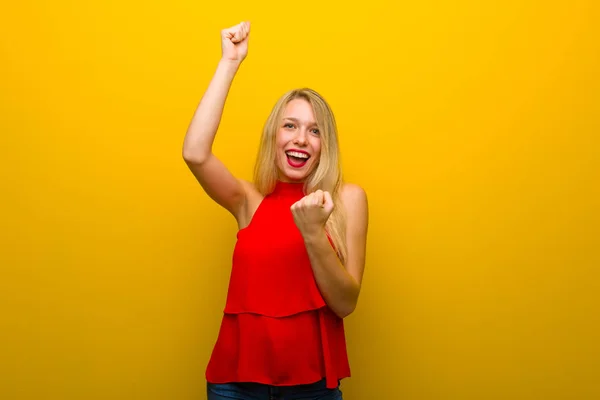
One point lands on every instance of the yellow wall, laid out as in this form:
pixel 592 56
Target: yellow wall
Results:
pixel 472 125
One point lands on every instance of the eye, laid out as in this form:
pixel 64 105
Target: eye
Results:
pixel 315 131
pixel 288 125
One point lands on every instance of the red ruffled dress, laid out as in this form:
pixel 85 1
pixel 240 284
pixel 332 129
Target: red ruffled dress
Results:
pixel 276 328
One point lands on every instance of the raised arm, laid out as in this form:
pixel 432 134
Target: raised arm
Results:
pixel 216 180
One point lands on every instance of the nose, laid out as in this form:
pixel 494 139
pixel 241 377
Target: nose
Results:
pixel 301 137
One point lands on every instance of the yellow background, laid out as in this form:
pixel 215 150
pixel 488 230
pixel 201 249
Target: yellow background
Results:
pixel 473 126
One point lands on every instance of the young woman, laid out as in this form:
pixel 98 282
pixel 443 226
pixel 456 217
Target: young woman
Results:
pixel 300 253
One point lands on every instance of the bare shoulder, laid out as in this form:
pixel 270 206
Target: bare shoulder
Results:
pixel 356 207
pixel 354 198
pixel 249 188
pixel 253 198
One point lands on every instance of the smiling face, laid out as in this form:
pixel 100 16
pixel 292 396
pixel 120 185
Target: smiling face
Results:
pixel 298 142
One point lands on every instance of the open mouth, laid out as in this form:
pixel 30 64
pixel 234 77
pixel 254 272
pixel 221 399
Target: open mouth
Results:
pixel 297 159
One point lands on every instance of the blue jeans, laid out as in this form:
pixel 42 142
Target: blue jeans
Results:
pixel 258 391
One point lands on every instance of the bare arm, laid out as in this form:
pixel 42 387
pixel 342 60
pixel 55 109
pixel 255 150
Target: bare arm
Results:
pixel 340 285
pixel 216 180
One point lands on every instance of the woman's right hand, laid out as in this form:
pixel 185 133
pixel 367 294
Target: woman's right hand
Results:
pixel 234 42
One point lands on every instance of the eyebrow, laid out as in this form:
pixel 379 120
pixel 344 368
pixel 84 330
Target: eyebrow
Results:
pixel 297 120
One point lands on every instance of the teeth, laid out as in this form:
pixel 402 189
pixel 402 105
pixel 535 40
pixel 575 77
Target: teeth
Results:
pixel 296 154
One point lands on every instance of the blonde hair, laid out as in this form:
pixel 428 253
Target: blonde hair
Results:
pixel 327 175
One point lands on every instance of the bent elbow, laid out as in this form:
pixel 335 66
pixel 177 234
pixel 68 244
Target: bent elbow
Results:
pixel 191 156
pixel 346 311
pixel 350 304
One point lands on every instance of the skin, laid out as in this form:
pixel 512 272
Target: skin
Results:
pixel 339 284
pixel 298 131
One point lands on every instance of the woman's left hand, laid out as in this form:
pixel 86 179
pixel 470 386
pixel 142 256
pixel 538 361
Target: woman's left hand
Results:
pixel 312 211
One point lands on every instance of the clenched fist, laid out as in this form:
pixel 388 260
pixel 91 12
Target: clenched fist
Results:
pixel 234 42
pixel 312 211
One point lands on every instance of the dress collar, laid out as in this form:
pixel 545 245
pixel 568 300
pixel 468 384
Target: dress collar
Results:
pixel 289 188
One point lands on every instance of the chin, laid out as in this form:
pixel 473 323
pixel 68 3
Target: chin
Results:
pixel 296 175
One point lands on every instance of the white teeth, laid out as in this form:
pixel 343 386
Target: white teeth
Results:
pixel 297 154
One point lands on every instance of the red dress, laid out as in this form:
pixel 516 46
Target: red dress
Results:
pixel 276 328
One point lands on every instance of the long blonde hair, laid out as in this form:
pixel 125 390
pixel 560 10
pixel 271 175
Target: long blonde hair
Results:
pixel 327 175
